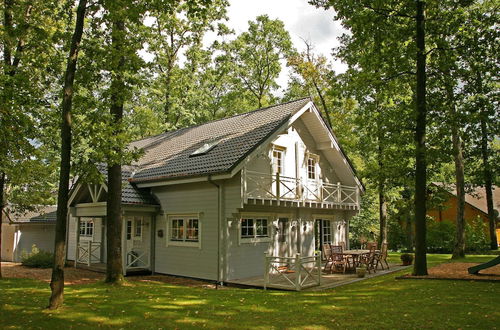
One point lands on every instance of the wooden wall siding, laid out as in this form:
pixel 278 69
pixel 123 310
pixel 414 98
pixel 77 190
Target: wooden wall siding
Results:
pixel 188 261
pixel 40 235
pixel 71 243
pixel 7 242
pixel 296 134
pixel 247 259
pixel 448 212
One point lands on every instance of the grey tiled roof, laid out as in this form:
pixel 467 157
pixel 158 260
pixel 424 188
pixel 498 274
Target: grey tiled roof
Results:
pixel 130 193
pixel 46 214
pixel 168 155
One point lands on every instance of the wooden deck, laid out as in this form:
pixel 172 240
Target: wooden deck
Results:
pixel 328 281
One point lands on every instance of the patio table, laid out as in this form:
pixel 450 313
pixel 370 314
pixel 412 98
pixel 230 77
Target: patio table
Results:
pixel 357 255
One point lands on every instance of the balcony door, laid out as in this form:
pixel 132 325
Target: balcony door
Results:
pixel 283 243
pixel 322 233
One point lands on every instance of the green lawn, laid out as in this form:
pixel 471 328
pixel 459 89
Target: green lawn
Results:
pixel 376 303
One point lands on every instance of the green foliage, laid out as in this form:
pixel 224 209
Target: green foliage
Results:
pixel 37 258
pixel 476 238
pixel 440 236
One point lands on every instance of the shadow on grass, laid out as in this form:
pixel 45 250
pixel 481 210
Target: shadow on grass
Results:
pixel 380 302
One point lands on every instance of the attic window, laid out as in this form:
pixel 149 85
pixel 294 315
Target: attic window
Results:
pixel 205 148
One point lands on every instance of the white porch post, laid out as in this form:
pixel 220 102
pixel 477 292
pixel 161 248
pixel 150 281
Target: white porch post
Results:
pixel 89 252
pixel 297 272
pixel 266 270
pixel 124 244
pixel 77 247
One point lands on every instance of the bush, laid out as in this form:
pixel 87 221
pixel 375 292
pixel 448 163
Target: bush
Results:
pixel 476 238
pixel 37 258
pixel 440 236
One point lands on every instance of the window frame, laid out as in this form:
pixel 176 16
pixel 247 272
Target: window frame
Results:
pixel 315 159
pixel 85 222
pixel 278 168
pixel 255 237
pixel 187 219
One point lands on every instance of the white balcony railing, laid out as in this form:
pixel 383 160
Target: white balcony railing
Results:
pixel 264 186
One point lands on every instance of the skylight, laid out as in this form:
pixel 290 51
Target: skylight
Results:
pixel 205 148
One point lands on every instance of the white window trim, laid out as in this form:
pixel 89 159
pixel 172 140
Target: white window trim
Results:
pixel 332 220
pixel 185 216
pixel 282 150
pixel 256 239
pixel 315 157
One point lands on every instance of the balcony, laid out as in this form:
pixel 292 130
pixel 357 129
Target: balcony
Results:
pixel 274 189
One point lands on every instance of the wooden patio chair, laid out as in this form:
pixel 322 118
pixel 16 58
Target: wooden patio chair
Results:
pixel 369 245
pixel 370 260
pixel 327 254
pixel 339 260
pixel 382 256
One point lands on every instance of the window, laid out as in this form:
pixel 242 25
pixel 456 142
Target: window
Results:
pixel 254 228
pixel 311 168
pixel 138 227
pixel 129 229
pixel 205 148
pixel 327 231
pixel 278 160
pixel 184 230
pixel 86 228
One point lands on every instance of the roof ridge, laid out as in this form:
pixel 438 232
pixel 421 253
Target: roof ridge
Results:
pixel 216 120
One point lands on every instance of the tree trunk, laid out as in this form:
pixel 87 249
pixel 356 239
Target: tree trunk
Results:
pixel 2 185
pixel 459 248
pixel 114 267
pixel 420 267
pixel 57 281
pixel 382 214
pixel 488 185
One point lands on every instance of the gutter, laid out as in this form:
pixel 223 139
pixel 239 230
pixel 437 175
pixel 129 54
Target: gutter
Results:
pixel 219 220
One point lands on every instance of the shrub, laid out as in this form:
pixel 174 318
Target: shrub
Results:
pixel 440 236
pixel 37 258
pixel 476 238
pixel 407 258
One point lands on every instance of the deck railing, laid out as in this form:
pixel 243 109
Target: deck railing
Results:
pixel 294 273
pixel 258 185
pixel 88 252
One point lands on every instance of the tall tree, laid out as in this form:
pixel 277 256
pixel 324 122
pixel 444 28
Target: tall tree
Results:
pixel 255 56
pixel 114 268
pixel 28 69
pixel 57 281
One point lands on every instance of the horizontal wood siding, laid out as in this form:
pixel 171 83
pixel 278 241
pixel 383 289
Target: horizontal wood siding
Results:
pixel 181 260
pixel 71 244
pixel 247 259
pixel 7 242
pixel 40 235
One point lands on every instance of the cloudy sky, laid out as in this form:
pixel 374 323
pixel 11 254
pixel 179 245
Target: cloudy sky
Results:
pixel 301 20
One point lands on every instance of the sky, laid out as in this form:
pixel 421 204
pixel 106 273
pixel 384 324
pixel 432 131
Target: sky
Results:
pixel 301 19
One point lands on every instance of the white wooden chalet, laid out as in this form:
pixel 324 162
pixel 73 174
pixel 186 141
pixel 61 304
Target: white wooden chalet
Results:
pixel 209 201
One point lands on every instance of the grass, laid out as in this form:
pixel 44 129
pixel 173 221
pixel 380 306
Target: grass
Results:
pixel 377 303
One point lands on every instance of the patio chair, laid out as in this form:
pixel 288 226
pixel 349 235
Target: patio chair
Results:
pixel 370 260
pixel 370 244
pixel 327 254
pixel 339 260
pixel 382 256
